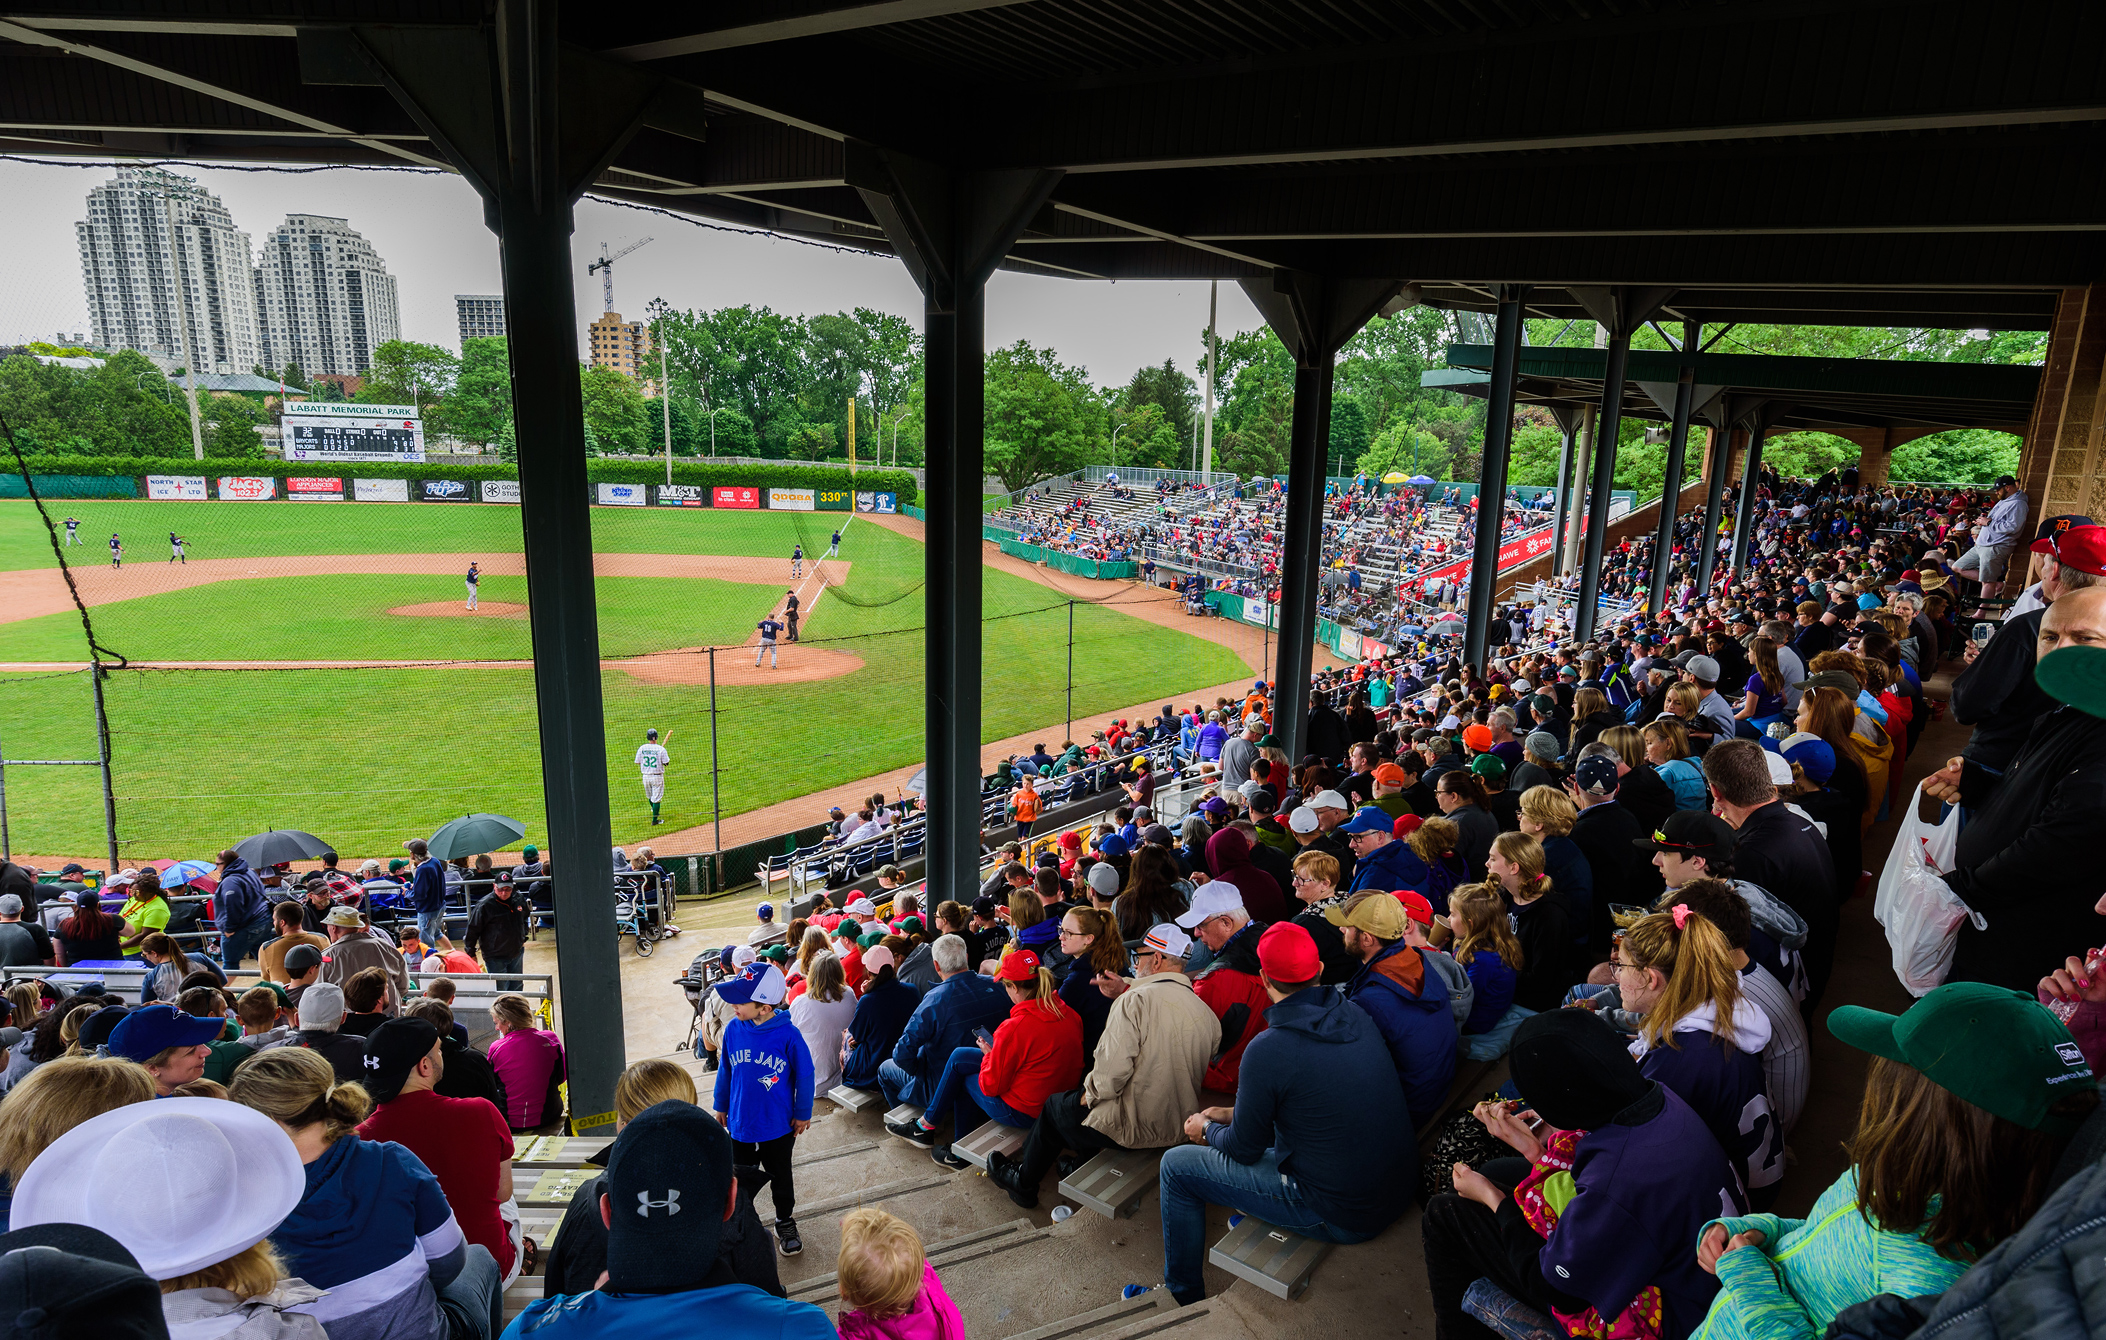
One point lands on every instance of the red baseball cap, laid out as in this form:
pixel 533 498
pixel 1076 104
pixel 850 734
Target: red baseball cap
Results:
pixel 1287 954
pixel 1018 965
pixel 2079 547
pixel 1415 905
pixel 1407 823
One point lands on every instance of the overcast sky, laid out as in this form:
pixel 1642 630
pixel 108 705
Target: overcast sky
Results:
pixel 429 230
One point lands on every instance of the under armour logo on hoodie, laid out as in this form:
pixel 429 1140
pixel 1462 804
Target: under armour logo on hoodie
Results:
pixel 671 1203
pixel 371 1062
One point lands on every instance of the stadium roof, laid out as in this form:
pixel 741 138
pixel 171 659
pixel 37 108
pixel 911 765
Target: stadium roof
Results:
pixel 1803 161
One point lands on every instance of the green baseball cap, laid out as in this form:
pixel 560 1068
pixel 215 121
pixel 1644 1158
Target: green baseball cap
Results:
pixel 1998 1049
pixel 1489 765
pixel 2075 675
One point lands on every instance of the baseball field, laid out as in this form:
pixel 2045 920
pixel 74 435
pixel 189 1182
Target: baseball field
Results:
pixel 312 666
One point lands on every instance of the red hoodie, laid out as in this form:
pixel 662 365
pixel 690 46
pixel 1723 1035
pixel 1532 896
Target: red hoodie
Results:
pixel 1037 1053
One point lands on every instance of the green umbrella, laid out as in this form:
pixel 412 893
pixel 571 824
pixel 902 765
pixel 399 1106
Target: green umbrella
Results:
pixel 473 834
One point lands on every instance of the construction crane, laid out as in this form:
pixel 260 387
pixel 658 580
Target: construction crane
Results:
pixel 605 265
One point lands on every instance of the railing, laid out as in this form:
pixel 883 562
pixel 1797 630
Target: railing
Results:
pixel 1096 474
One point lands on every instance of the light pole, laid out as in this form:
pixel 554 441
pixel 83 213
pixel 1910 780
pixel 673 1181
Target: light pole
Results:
pixel 1115 445
pixel 713 430
pixel 897 420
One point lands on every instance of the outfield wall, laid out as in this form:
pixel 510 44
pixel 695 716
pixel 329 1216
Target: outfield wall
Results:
pixel 279 485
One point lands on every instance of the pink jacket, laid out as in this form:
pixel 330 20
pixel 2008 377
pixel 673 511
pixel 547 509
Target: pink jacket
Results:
pixel 933 1317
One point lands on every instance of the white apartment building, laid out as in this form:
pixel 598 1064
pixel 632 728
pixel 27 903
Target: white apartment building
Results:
pixel 146 230
pixel 324 297
pixel 481 315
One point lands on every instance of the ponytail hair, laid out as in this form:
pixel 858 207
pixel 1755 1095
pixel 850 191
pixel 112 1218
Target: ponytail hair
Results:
pixel 1692 954
pixel 297 1088
pixel 1527 855
pixel 1044 991
pixel 1468 785
pixel 1482 906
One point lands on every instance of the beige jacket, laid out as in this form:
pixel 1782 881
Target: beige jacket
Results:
pixel 1149 1063
pixel 360 950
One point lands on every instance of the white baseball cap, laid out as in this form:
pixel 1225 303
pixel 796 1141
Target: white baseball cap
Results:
pixel 1303 820
pixel 862 907
pixel 1215 897
pixel 1780 768
pixel 1165 938
pixel 225 1172
pixel 743 955
pixel 1329 800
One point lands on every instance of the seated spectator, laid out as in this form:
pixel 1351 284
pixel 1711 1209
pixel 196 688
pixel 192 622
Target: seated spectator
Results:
pixel 374 1229
pixel 321 1012
pixel 1603 832
pixel 463 1141
pixel 1543 924
pixel 1033 1054
pixel 1406 997
pixel 1667 749
pixel 1614 1258
pixel 1548 816
pixel 1315 883
pixel 1778 850
pixel 822 1014
pixel 261 1010
pixel 1293 1151
pixel 1434 842
pixel 303 968
pixel 885 1279
pixel 168 1042
pixel 880 1017
pixel 1146 1077
pixel 365 997
pixel 91 934
pixel 1155 892
pixel 1380 862
pixel 291 922
pixel 1090 938
pixel 1231 984
pixel 1974 1086
pixel 666 1276
pixel 240 1176
pixel 53 1100
pixel 355 946
pixel 950 1012
pixel 578 1252
pixel 226 1052
pixel 442 990
pixel 1786 1057
pixel 1484 945
pixel 1702 1038
pixel 529 1059
pixel 465 1072
pixel 169 966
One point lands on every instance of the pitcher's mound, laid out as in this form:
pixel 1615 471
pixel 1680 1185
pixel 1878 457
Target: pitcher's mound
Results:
pixel 798 665
pixel 454 609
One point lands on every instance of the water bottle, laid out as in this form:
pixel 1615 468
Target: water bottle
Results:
pixel 2065 1010
pixel 1062 1213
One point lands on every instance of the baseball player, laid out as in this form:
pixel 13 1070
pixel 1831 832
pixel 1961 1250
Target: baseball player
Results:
pixel 475 582
pixel 768 630
pixel 116 551
pixel 175 549
pixel 72 530
pixel 835 552
pixel 651 759
pixel 789 614
pixel 796 560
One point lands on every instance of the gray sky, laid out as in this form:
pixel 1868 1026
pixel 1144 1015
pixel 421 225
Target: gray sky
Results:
pixel 429 230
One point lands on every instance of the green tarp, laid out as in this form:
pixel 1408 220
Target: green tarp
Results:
pixel 1059 562
pixel 71 486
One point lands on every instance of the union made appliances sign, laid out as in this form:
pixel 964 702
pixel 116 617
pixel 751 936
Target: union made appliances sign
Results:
pixel 353 434
pixel 314 490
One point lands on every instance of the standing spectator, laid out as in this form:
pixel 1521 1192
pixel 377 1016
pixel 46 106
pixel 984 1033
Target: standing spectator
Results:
pixel 240 910
pixel 428 893
pixel 499 927
pixel 1777 850
pixel 463 1141
pixel 764 1088
pixel 530 1062
pixel 1292 1151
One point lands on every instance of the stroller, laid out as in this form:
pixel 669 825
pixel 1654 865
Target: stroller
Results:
pixel 706 970
pixel 639 909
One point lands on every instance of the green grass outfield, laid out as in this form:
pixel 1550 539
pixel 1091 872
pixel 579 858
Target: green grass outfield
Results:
pixel 369 757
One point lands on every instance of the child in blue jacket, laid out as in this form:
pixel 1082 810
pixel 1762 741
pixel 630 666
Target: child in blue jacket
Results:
pixel 764 1087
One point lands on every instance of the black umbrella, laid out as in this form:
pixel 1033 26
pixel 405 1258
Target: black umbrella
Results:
pixel 281 844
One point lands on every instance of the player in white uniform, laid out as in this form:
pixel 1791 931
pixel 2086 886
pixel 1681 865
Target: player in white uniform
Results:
pixel 651 759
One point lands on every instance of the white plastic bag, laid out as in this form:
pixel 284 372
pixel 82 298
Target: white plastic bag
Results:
pixel 1920 913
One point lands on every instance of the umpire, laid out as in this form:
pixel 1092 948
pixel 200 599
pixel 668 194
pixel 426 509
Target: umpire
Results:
pixel 789 615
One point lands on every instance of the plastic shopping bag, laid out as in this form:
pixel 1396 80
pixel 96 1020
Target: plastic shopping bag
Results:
pixel 1920 913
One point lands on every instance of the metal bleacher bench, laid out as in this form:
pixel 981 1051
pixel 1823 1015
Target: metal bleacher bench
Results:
pixel 904 1113
pixel 1275 1259
pixel 854 1100
pixel 1113 1181
pixel 992 1138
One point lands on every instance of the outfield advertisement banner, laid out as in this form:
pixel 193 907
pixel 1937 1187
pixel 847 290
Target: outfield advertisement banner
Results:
pixel 834 500
pixel 733 497
pixel 1520 549
pixel 241 488
pixel 621 495
pixel 886 503
pixel 343 434
pixel 1349 642
pixel 314 490
pixel 444 490
pixel 380 490
pixel 500 490
pixel 682 495
pixel 186 488
pixel 1256 612
pixel 792 500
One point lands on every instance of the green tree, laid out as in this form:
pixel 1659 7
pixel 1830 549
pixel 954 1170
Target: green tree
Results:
pixel 614 411
pixel 1962 456
pixel 1174 395
pixel 480 407
pixel 126 407
pixel 294 376
pixel 230 423
pixel 1350 431
pixel 1405 449
pixel 1255 418
pixel 1042 418
pixel 407 373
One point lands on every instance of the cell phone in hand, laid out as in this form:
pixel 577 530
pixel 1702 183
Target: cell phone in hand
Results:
pixel 1982 632
pixel 986 1039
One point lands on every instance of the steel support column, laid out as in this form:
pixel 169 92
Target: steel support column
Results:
pixel 951 229
pixel 1671 483
pixel 1714 506
pixel 530 126
pixel 1605 430
pixel 1744 519
pixel 1567 426
pixel 1491 480
pixel 1313 316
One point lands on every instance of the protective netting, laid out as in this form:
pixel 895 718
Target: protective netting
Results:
pixel 316 665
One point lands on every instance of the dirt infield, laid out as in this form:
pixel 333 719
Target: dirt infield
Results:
pixel 457 609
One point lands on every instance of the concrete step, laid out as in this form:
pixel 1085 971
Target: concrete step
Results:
pixel 1277 1260
pixel 935 1177
pixel 1103 1321
pixel 958 1251
pixel 1113 1181
pixel 992 1138
pixel 1193 1321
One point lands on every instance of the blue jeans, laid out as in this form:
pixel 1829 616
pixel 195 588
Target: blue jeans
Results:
pixel 516 963
pixel 470 1301
pixel 1195 1176
pixel 961 1078
pixel 1491 1044
pixel 431 926
pixel 894 1079
pixel 241 942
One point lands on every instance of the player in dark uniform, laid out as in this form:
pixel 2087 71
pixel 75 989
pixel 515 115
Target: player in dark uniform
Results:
pixel 797 561
pixel 175 549
pixel 116 551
